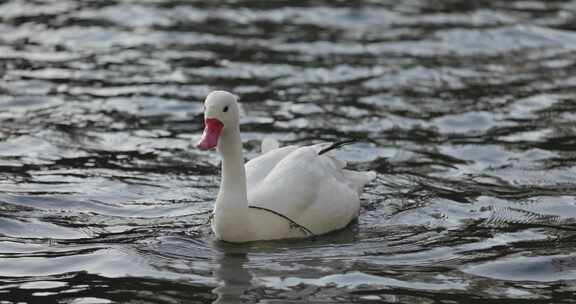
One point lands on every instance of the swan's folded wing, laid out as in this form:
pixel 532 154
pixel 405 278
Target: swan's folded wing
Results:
pixel 307 187
pixel 258 168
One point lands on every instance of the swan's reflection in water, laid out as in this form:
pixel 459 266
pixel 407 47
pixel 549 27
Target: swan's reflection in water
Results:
pixel 234 277
pixel 234 273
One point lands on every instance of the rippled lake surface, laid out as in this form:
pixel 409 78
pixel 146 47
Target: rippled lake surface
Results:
pixel 466 109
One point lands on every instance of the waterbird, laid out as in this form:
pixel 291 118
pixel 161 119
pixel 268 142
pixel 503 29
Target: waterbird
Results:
pixel 284 193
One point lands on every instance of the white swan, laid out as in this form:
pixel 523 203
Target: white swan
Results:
pixel 288 192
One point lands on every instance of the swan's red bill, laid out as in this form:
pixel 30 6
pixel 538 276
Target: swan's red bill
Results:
pixel 212 129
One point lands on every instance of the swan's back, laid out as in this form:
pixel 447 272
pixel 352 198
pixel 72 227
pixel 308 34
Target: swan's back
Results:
pixel 313 190
pixel 259 167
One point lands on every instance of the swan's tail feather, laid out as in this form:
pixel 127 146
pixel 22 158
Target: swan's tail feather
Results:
pixel 337 145
pixel 358 180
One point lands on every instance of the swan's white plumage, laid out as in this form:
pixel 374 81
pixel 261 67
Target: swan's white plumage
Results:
pixel 311 189
pixel 269 144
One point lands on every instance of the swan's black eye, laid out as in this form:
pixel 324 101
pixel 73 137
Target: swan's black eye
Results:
pixel 225 109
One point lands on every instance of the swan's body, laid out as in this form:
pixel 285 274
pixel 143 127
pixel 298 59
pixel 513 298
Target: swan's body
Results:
pixel 312 190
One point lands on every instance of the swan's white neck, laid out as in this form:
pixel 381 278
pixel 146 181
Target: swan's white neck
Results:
pixel 231 210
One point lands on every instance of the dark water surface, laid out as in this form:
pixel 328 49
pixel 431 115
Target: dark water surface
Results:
pixel 467 109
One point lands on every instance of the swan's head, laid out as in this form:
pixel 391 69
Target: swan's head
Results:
pixel 221 113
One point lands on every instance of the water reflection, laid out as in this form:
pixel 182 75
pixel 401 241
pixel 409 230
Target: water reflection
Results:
pixel 243 269
pixel 233 276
